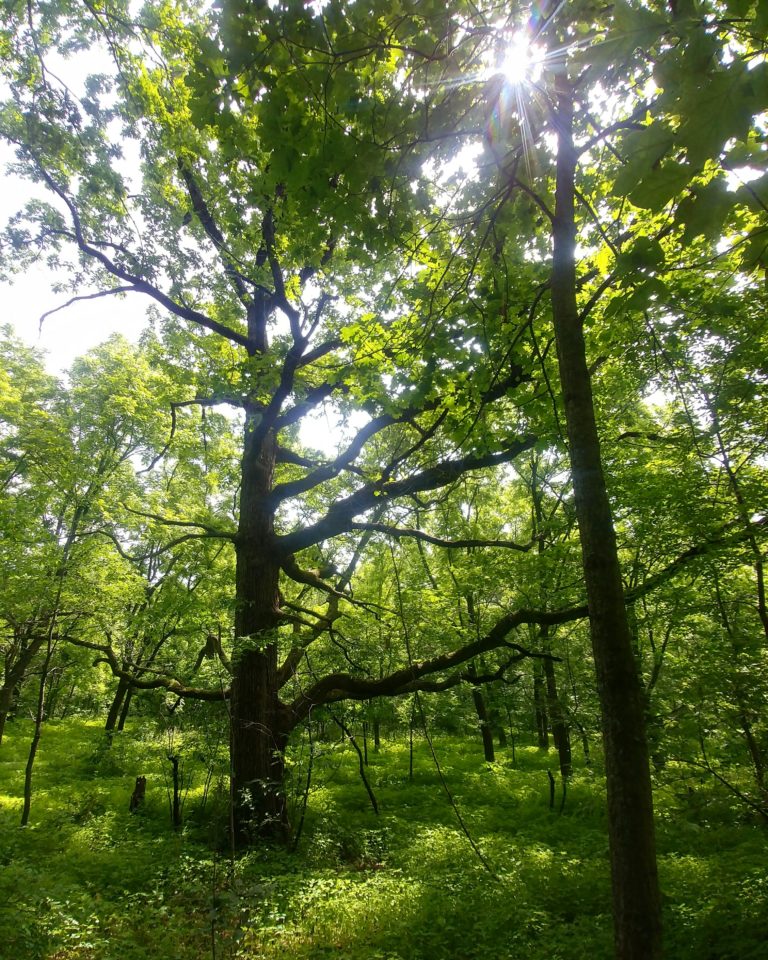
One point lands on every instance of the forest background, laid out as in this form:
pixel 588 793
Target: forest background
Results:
pixel 518 258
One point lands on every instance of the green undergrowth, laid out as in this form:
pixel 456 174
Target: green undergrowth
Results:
pixel 88 880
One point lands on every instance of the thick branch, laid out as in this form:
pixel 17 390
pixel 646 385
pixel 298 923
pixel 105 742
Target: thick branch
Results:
pixel 307 405
pixel 340 516
pixel 213 233
pixel 284 491
pixel 343 686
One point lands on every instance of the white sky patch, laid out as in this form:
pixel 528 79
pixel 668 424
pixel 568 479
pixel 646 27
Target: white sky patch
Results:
pixel 328 430
pixel 658 398
pixel 71 332
pixel 740 175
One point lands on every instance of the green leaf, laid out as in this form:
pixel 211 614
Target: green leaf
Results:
pixel 663 183
pixel 706 210
pixel 643 149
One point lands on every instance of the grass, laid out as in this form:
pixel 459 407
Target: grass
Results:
pixel 87 880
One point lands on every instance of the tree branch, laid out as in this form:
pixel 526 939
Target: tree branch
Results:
pixel 81 297
pixel 340 516
pixel 137 283
pixel 213 233
pixel 168 521
pixel 158 683
pixel 343 686
pixel 400 532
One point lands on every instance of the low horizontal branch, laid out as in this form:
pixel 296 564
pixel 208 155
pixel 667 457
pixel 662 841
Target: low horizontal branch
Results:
pixel 109 657
pixel 408 532
pixel 343 686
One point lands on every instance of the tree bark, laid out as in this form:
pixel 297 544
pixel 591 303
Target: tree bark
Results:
pixel 482 715
pixel 39 718
pixel 560 732
pixel 636 900
pixel 126 708
pixel 26 651
pixel 258 737
pixel 540 707
pixel 6 704
pixel 116 706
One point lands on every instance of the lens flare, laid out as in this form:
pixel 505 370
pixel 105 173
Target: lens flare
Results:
pixel 522 61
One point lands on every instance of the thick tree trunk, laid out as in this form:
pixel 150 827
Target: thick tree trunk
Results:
pixel 258 738
pixel 636 901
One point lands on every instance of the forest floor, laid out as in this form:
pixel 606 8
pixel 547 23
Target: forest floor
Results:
pixel 86 880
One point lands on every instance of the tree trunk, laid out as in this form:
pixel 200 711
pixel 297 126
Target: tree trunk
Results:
pixel 636 900
pixel 540 707
pixel 560 732
pixel 257 736
pixel 126 708
pixel 6 704
pixel 15 674
pixel 482 715
pixel 501 733
pixel 39 717
pixel 116 706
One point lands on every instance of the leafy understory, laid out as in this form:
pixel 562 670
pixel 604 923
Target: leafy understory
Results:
pixel 89 880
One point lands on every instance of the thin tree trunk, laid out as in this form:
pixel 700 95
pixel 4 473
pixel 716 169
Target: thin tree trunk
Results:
pixel 482 715
pixel 14 677
pixel 501 733
pixel 410 744
pixel 173 759
pixel 39 717
pixel 6 705
pixel 126 708
pixel 540 706
pixel 69 701
pixel 560 732
pixel 115 708
pixel 636 899
pixel 743 712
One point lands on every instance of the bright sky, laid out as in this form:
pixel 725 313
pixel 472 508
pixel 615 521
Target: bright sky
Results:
pixel 73 331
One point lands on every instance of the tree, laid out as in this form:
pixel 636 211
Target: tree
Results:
pixel 275 337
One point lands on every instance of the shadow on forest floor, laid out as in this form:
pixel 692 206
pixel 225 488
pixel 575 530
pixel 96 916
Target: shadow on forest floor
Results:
pixel 88 880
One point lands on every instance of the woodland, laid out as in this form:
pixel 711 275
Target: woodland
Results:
pixel 401 592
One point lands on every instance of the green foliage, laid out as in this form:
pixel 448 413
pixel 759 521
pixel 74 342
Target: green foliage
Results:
pixel 88 879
